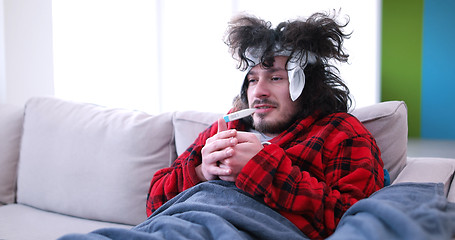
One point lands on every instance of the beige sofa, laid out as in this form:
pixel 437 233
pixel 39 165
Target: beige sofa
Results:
pixel 74 167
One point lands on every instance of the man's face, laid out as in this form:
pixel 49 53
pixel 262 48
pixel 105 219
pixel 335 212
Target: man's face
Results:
pixel 268 91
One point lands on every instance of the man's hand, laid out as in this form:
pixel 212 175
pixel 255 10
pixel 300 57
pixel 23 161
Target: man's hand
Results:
pixel 226 153
pixel 247 147
pixel 217 148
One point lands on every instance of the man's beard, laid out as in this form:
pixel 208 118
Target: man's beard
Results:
pixel 272 126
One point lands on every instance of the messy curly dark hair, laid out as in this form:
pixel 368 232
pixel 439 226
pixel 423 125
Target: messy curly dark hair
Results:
pixel 320 34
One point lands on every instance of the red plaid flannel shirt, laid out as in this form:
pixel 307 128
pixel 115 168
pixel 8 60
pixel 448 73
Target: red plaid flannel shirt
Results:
pixel 311 173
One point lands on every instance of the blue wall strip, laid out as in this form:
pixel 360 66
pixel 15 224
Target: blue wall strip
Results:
pixel 438 70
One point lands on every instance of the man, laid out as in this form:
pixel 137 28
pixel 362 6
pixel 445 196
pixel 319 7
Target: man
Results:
pixel 313 160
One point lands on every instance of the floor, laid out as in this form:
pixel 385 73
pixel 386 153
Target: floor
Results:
pixel 431 148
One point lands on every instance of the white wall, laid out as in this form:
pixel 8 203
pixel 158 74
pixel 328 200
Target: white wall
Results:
pixel 185 33
pixel 106 52
pixel 27 67
pixel 2 55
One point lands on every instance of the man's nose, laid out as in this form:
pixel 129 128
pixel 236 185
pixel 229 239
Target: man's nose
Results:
pixel 262 89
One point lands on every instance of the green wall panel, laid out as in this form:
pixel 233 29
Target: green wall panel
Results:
pixel 401 62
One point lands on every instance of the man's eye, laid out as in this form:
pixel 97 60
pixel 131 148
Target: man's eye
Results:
pixel 276 78
pixel 251 81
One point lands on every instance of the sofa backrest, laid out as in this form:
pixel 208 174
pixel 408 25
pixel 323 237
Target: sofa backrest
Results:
pixel 89 161
pixel 387 122
pixel 94 162
pixel 188 125
pixel 11 118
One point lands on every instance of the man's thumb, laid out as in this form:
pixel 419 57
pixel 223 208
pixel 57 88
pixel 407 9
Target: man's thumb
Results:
pixel 222 125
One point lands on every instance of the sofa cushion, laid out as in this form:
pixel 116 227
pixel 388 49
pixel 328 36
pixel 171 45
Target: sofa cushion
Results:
pixel 11 118
pixel 387 122
pixel 18 221
pixel 90 161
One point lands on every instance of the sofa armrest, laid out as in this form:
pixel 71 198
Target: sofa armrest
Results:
pixel 427 169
